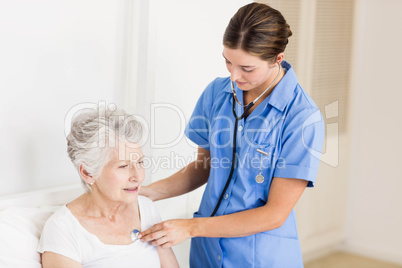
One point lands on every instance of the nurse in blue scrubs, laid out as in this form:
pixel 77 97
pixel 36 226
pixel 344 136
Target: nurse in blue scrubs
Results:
pixel 246 217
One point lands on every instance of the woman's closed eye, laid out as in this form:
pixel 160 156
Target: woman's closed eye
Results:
pixel 123 166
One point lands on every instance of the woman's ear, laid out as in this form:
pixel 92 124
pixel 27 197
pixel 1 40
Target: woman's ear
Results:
pixel 85 175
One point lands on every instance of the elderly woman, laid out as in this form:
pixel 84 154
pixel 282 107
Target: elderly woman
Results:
pixel 98 229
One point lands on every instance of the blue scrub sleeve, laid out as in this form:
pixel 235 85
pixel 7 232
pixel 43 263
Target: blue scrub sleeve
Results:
pixel 198 127
pixel 303 139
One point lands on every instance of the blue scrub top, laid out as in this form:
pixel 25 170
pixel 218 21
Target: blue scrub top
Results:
pixel 289 128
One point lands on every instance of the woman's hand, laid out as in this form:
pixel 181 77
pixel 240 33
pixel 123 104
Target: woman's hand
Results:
pixel 169 233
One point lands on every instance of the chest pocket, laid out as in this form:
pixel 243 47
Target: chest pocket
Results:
pixel 259 166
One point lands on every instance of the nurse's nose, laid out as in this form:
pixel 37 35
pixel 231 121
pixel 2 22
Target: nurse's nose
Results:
pixel 235 74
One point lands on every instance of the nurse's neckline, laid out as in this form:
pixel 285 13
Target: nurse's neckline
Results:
pixel 247 97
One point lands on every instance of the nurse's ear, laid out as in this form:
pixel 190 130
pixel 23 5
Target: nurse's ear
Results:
pixel 280 57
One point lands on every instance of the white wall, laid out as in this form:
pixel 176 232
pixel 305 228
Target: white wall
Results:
pixel 375 207
pixel 53 55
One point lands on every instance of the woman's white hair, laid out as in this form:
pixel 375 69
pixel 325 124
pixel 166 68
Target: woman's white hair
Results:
pixel 95 133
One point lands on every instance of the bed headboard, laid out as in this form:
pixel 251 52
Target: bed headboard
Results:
pixel 45 197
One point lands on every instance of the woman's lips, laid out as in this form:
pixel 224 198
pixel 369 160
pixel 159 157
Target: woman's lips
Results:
pixel 132 189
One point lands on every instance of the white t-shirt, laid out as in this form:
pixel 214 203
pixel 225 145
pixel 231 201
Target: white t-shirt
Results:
pixel 64 235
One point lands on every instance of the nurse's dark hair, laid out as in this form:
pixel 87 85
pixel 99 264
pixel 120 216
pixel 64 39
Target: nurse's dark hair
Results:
pixel 259 30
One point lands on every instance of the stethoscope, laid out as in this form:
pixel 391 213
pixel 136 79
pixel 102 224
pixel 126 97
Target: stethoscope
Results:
pixel 259 178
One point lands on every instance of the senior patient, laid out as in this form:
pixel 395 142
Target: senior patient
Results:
pixel 96 229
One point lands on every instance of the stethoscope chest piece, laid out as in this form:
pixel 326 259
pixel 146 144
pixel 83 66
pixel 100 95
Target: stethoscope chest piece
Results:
pixel 259 178
pixel 134 235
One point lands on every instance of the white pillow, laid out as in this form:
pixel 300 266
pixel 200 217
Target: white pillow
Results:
pixel 20 230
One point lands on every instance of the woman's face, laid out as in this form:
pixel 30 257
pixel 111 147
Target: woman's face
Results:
pixel 248 71
pixel 122 177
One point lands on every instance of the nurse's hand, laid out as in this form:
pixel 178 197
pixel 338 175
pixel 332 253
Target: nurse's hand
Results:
pixel 150 192
pixel 168 233
pixel 146 191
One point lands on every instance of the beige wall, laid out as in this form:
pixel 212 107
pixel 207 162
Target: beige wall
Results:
pixel 375 201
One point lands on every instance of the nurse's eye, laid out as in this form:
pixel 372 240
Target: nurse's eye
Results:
pixel 248 70
pixel 228 62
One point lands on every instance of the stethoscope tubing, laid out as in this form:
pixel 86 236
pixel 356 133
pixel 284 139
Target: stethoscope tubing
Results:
pixel 237 119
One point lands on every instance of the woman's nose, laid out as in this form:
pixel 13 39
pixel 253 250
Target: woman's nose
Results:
pixel 135 173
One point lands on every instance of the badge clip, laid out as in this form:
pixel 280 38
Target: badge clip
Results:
pixel 259 178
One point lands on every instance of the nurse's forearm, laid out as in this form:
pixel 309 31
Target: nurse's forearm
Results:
pixel 283 196
pixel 239 224
pixel 186 180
